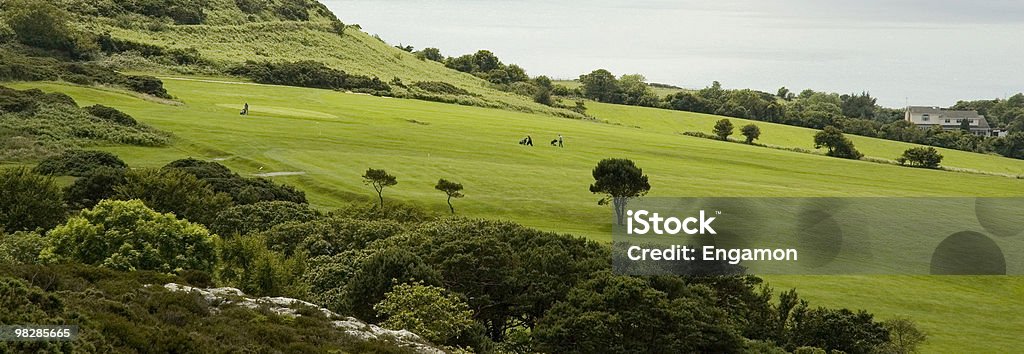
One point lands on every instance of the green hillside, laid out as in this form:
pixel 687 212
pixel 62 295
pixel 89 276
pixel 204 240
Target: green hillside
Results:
pixel 333 137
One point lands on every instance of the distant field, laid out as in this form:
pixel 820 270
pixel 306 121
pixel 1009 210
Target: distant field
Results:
pixel 333 137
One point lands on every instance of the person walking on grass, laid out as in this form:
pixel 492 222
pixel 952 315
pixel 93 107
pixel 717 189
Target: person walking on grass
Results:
pixel 560 140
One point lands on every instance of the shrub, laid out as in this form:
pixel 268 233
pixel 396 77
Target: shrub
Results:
pixel 838 145
pixel 127 235
pixel 329 236
pixel 308 74
pixel 173 191
pixel 30 201
pixel 112 114
pixel 261 216
pixel 926 157
pixel 21 247
pixel 247 264
pixel 429 311
pixel 78 163
pixel 379 274
pixel 440 87
pixel 242 190
pixel 41 24
pixel 148 85
pixel 751 132
pixel 95 186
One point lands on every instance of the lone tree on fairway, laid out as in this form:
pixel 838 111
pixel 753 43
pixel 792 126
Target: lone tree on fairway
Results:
pixel 452 189
pixel 723 129
pixel 838 145
pixel 379 179
pixel 621 181
pixel 751 131
pixel 926 157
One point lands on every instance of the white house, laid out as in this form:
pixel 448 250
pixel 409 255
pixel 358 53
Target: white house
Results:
pixel 928 117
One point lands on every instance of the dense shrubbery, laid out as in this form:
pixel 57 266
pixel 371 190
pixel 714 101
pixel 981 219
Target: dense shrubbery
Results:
pixel 173 191
pixel 440 87
pixel 126 235
pixel 112 114
pixel 926 157
pixel 36 124
pixel 485 65
pixel 93 187
pixel 309 74
pixel 242 190
pixel 261 216
pixel 29 201
pixel 15 66
pixel 78 163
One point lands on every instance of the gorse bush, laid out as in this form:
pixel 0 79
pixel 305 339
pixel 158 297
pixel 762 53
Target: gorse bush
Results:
pixel 112 114
pixel 173 191
pixel 17 66
pixel 127 235
pixel 440 87
pixel 309 74
pixel 242 190
pixel 29 200
pixel 93 187
pixel 78 163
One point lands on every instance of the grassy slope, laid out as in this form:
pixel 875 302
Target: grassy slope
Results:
pixel 334 137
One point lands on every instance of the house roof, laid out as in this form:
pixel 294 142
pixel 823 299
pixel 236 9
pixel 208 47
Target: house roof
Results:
pixel 945 113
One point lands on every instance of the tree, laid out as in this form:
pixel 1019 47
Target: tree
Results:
pixel 452 189
pixel 29 201
pixel 965 125
pixel 1011 145
pixel 723 129
pixel 637 92
pixel 379 274
pixel 432 54
pixel 838 145
pixel 261 216
pixel 429 311
pixel 926 157
pixel 600 85
pixel 621 181
pixel 784 94
pixel 904 336
pixel 544 89
pixel 379 179
pixel 751 132
pixel 128 236
pixel 622 314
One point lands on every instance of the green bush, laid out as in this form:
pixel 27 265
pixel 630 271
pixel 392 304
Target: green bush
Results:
pixel 112 114
pixel 379 274
pixel 148 85
pixel 429 311
pixel 41 24
pixel 309 74
pixel 261 216
pixel 30 201
pixel 926 157
pixel 78 163
pixel 440 87
pixel 127 235
pixel 21 247
pixel 173 191
pixel 329 236
pixel 95 186
pixel 247 264
pixel 243 190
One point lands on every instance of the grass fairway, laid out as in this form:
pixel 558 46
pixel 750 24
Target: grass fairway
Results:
pixel 334 137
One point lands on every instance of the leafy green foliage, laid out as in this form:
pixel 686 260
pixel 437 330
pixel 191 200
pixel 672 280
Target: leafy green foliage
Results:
pixel 904 336
pixel 309 74
pixel 127 235
pixel 926 157
pixel 450 189
pixel 838 145
pixel 600 85
pixel 751 132
pixel 78 163
pixel 30 201
pixel 112 114
pixel 241 189
pixel 247 264
pixel 329 236
pixel 174 191
pixel 379 179
pixel 93 187
pixel 620 180
pixel 379 274
pixel 41 24
pixel 836 329
pixel 439 87
pixel 723 129
pixel 432 54
pixel 622 314
pixel 21 247
pixel 429 311
pixel 487 66
pixel 261 216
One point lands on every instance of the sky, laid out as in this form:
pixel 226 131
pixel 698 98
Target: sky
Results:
pixel 915 52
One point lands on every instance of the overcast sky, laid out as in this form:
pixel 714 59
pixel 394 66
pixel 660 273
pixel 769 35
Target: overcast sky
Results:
pixel 901 51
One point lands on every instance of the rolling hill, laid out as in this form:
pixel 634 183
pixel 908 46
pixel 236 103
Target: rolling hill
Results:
pixel 321 141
